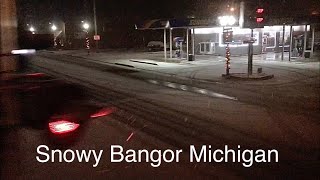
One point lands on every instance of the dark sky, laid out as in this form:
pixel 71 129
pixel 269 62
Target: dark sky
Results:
pixel 133 10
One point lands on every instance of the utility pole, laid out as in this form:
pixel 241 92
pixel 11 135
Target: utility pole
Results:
pixel 95 22
pixel 227 39
pixel 283 43
pixel 87 42
pixel 250 54
pixel 290 50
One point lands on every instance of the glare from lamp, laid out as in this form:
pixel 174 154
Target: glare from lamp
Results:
pixel 32 29
pixel 227 20
pixel 54 28
pixel 86 26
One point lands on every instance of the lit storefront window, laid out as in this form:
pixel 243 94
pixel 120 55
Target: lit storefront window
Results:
pixel 286 38
pixel 269 39
pixel 207 48
pixel 239 35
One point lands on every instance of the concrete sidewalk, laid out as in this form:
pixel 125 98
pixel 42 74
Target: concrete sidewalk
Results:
pixel 205 68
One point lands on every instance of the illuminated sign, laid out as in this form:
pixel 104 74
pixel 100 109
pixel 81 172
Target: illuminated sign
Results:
pixel 259 20
pixel 260 10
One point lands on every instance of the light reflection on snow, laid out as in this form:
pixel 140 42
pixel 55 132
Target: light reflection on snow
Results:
pixel 193 89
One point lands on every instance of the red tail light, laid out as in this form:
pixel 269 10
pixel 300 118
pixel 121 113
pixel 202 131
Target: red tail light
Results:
pixel 62 127
pixel 35 75
pixel 102 112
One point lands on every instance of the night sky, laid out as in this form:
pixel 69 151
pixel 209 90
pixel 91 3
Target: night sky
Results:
pixel 116 18
pixel 70 10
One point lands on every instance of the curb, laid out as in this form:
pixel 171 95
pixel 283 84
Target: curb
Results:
pixel 245 76
pixel 168 60
pixel 126 65
pixel 150 63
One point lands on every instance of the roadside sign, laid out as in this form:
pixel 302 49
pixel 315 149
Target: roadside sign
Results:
pixel 227 37
pixel 96 37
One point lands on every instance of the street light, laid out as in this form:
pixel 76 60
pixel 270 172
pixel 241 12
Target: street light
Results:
pixel 86 26
pixel 31 29
pixel 54 27
pixel 227 20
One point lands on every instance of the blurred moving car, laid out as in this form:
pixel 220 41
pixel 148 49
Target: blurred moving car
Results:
pixel 46 103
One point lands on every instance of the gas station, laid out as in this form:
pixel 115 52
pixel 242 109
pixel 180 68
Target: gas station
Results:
pixel 295 36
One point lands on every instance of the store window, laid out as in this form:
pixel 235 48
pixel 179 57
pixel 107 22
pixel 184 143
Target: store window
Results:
pixel 208 45
pixel 202 49
pixel 269 39
pixel 207 48
pixel 286 39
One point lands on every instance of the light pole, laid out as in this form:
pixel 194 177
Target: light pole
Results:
pixel 64 38
pixel 95 22
pixel 54 28
pixel 86 27
pixel 250 53
pixel 227 37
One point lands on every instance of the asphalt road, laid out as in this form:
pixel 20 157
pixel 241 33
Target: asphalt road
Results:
pixel 153 113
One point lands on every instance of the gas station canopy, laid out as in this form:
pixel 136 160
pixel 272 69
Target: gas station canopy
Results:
pixel 178 23
pixel 213 22
pixel 190 24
